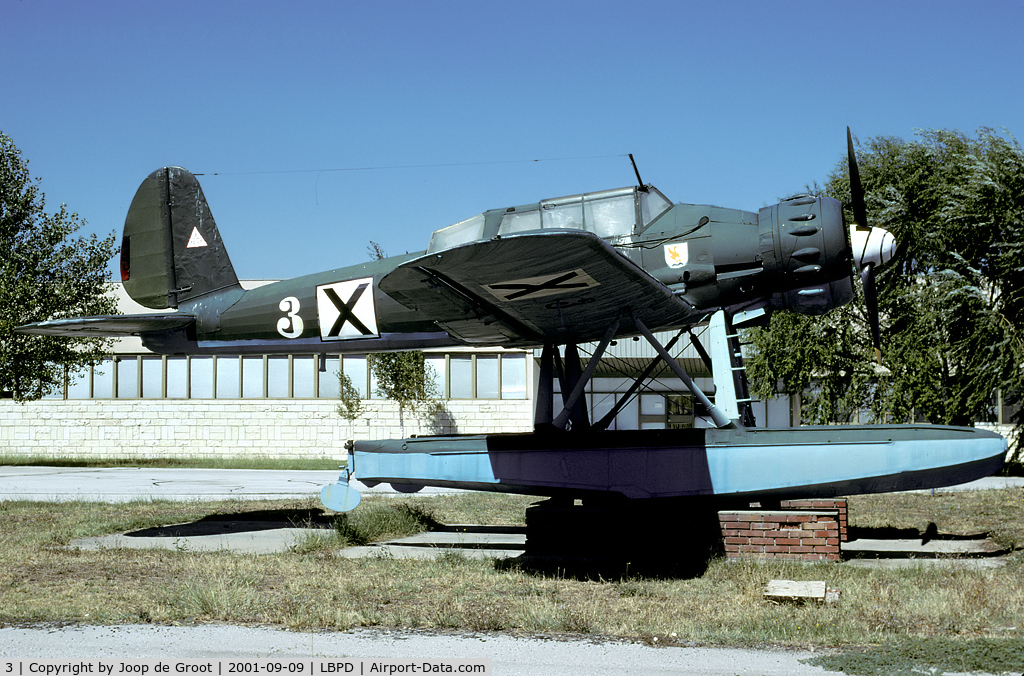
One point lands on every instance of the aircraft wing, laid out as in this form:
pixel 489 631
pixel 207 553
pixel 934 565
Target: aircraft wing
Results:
pixel 108 325
pixel 532 288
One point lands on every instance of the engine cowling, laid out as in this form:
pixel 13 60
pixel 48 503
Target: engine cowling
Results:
pixel 812 254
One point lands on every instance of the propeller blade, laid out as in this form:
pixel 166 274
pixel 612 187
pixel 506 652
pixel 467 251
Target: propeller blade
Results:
pixel 867 275
pixel 872 247
pixel 860 210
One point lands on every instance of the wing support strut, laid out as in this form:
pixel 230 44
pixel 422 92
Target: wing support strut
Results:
pixel 578 417
pixel 543 413
pixel 604 422
pixel 569 403
pixel 720 419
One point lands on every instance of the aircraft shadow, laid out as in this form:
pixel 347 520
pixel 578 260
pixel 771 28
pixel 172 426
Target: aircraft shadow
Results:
pixel 619 540
pixel 927 535
pixel 242 522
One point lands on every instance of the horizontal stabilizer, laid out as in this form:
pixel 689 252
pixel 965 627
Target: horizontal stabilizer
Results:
pixel 108 325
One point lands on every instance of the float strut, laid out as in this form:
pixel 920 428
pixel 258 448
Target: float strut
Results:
pixel 721 420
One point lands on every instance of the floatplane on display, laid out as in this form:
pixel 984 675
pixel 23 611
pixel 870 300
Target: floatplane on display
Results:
pixel 589 268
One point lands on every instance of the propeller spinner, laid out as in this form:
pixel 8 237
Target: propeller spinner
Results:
pixel 872 247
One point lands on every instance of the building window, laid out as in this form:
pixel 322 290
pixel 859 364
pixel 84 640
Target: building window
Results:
pixel 152 378
pixel 354 366
pixel 176 378
pixel 457 376
pixel 228 377
pixel 200 377
pixel 252 378
pixel 460 377
pixel 328 385
pixel 488 377
pixel 437 371
pixel 513 376
pixel 304 377
pixel 279 383
pixel 127 371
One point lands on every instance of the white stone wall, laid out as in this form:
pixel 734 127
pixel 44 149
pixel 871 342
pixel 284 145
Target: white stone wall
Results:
pixel 1013 453
pixel 229 428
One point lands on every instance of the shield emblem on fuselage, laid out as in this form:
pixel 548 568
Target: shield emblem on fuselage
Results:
pixel 677 255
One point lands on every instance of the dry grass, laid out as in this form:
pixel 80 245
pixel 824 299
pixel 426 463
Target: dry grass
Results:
pixel 43 580
pixel 998 513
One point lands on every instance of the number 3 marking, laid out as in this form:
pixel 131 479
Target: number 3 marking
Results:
pixel 290 326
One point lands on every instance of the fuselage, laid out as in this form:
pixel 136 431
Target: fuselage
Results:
pixel 794 255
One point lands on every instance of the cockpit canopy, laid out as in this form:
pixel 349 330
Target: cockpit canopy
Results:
pixel 610 214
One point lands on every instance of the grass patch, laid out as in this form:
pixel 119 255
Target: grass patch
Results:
pixel 382 520
pixel 917 616
pixel 196 462
pixel 933 656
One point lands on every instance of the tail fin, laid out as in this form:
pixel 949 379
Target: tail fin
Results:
pixel 172 252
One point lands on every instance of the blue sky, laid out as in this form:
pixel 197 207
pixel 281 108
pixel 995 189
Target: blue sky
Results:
pixel 434 111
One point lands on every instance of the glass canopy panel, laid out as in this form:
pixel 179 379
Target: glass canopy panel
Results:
pixel 563 213
pixel 607 214
pixel 652 205
pixel 611 216
pixel 519 221
pixel 464 232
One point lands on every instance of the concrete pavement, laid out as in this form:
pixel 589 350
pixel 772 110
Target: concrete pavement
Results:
pixel 124 484
pixel 510 655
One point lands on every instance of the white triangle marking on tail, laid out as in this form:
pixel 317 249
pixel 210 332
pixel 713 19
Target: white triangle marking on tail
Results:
pixel 196 240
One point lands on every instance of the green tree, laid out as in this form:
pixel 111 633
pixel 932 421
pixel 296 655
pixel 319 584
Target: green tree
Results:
pixel 404 377
pixel 45 273
pixel 351 405
pixel 951 302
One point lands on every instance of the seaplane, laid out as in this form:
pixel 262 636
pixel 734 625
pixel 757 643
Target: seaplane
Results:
pixel 552 275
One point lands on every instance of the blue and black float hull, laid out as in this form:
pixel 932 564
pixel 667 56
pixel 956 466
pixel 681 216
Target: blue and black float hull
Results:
pixel 725 463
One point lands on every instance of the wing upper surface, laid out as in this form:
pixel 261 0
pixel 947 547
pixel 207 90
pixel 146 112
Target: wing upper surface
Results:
pixel 108 325
pixel 531 288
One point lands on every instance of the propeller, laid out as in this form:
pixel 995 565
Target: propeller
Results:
pixel 872 247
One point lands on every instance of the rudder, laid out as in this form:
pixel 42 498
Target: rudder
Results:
pixel 172 252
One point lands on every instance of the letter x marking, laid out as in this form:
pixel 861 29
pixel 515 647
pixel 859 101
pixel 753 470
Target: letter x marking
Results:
pixel 554 284
pixel 345 312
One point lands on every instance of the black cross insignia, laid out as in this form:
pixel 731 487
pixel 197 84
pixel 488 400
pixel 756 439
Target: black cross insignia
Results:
pixel 519 289
pixel 345 312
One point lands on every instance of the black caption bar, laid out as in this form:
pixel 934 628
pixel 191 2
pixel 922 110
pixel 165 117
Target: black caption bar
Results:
pixel 241 667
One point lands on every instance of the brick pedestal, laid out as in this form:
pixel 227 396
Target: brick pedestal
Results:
pixel 801 535
pixel 838 504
